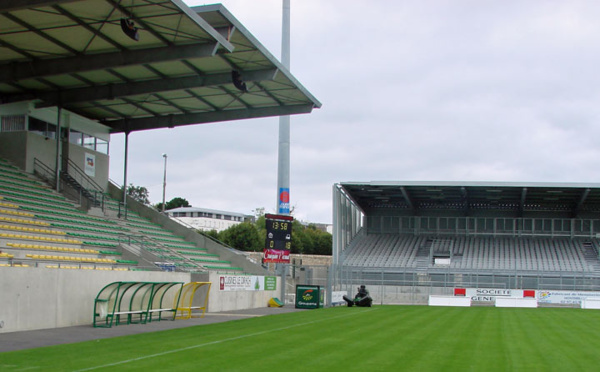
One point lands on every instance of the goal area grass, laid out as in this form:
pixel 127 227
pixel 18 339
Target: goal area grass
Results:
pixel 381 338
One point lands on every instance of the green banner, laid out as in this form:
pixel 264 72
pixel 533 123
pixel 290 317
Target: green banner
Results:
pixel 270 283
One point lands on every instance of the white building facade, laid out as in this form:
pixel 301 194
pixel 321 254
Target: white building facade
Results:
pixel 204 219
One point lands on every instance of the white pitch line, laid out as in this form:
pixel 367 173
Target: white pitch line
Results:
pixel 234 315
pixel 215 342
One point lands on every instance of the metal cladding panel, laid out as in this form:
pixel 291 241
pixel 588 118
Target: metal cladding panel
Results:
pixel 467 198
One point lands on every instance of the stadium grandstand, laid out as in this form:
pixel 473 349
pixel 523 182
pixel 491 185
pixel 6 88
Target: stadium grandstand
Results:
pixel 71 74
pixel 408 237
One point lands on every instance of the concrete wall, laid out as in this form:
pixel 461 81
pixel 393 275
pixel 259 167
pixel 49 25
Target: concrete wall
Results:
pixel 305 259
pixel 22 148
pixel 13 146
pixel 39 298
pixel 77 155
pixel 235 300
pixel 399 295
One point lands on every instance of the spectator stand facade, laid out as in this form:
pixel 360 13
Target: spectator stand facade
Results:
pixel 413 239
pixel 72 76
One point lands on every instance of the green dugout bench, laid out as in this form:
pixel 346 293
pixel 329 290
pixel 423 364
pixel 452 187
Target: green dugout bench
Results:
pixel 142 302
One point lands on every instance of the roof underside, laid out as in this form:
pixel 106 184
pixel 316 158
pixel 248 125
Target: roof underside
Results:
pixel 74 54
pixel 471 198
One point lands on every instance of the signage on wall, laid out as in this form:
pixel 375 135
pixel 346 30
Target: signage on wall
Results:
pixel 90 165
pixel 284 201
pixel 247 283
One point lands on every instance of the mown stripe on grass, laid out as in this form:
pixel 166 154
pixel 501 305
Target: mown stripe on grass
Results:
pixel 216 342
pixel 407 338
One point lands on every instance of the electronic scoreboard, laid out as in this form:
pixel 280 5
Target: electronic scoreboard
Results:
pixel 278 242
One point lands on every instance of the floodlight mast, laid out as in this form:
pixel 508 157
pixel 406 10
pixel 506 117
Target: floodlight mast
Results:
pixel 164 182
pixel 283 164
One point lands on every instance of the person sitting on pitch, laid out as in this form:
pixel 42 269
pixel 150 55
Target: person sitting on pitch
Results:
pixel 362 298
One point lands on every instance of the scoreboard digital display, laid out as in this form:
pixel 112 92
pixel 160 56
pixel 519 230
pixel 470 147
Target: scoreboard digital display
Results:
pixel 278 242
pixel 279 235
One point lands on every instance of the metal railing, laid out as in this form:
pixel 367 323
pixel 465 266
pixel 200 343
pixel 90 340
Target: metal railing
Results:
pixel 44 172
pixel 82 187
pixel 352 276
pixel 86 186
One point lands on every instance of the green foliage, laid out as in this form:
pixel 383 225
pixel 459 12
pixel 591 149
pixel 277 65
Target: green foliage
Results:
pixel 305 239
pixel 173 203
pixel 139 193
pixel 310 240
pixel 243 236
pixel 320 242
pixel 261 227
pixel 212 233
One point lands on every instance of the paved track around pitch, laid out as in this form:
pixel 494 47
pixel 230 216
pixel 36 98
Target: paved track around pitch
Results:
pixel 12 341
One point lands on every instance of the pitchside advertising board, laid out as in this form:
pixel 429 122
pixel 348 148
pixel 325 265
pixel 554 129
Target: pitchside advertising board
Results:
pixel 278 242
pixel 565 297
pixel 247 283
pixel 543 297
pixel 309 296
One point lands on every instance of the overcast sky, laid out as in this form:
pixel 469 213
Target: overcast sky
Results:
pixel 411 91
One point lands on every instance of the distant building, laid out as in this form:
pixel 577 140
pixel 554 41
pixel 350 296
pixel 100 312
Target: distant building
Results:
pixel 325 227
pixel 207 219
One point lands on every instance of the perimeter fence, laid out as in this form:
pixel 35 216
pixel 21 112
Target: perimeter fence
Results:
pixel 396 286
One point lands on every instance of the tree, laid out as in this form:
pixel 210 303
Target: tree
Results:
pixel 310 240
pixel 243 236
pixel 212 233
pixel 173 203
pixel 305 239
pixel 300 243
pixel 139 193
pixel 323 241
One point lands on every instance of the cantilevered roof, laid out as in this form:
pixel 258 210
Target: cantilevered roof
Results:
pixel 74 54
pixel 467 198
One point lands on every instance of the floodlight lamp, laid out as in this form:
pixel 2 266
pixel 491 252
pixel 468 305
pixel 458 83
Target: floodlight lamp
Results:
pixel 129 29
pixel 236 78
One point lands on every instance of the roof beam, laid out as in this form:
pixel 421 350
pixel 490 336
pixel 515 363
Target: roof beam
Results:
pixel 582 199
pixel 11 5
pixel 203 24
pixel 522 202
pixel 465 195
pixel 407 198
pixel 58 66
pixel 132 88
pixel 16 49
pixel 36 31
pixel 88 27
pixel 131 125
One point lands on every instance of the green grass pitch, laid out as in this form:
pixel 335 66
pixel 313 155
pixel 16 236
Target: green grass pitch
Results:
pixel 381 338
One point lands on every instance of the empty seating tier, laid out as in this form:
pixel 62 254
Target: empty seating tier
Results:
pixel 473 254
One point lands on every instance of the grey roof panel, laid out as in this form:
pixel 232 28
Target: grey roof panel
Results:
pixel 74 54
